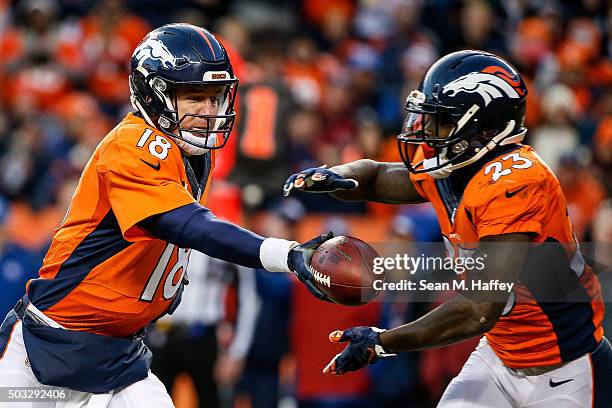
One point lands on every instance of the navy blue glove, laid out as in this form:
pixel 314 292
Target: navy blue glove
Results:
pixel 299 262
pixel 318 180
pixel 364 349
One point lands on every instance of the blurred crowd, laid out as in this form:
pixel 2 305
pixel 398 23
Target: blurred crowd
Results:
pixel 321 82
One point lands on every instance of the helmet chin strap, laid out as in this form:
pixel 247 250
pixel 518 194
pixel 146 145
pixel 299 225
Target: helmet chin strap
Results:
pixel 499 140
pixel 440 173
pixel 140 109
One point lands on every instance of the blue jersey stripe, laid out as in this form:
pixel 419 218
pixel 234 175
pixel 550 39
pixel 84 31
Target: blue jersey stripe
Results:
pixel 446 193
pixel 573 326
pixel 100 245
pixel 561 297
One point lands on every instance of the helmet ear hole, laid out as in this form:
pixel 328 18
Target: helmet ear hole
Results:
pixel 141 88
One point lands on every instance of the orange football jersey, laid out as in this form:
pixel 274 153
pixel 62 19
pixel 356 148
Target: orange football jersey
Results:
pixel 515 192
pixel 103 273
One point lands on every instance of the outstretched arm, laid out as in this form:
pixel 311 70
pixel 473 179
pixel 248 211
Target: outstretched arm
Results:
pixel 194 226
pixel 361 180
pixel 378 181
pixel 469 314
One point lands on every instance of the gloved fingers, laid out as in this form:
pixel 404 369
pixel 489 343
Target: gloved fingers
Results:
pixel 296 180
pixel 316 241
pixel 330 368
pixel 309 177
pixel 345 184
pixel 340 336
pixel 343 363
pixel 335 336
pixel 289 185
pixel 303 176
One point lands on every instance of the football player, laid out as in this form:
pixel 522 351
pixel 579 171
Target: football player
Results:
pixel 118 260
pixel 461 144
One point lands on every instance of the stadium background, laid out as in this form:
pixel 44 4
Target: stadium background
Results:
pixel 321 81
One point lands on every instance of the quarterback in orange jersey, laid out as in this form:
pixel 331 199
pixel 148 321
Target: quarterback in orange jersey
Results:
pixel 118 260
pixel 543 343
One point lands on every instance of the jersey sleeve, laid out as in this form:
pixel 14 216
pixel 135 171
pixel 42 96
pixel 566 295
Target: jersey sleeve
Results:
pixel 416 180
pixel 519 207
pixel 140 184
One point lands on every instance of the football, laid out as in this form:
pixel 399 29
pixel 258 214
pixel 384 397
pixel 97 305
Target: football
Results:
pixel 342 269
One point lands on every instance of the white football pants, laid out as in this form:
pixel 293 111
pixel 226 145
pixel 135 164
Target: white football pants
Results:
pixel 16 372
pixel 484 382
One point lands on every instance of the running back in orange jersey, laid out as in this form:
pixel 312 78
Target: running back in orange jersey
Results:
pixel 513 191
pixel 103 273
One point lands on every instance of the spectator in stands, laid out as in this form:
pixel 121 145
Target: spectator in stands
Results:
pixel 107 37
pixel 557 135
pixel 480 29
pixel 602 143
pixel 261 148
pixel 261 382
pixel 17 264
pixel 33 56
pixel 602 240
pixel 305 72
pixel 582 191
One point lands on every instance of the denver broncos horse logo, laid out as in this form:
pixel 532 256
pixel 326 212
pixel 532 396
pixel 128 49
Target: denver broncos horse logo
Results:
pixel 491 83
pixel 152 48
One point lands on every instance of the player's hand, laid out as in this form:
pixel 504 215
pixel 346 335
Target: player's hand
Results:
pixel 364 348
pixel 318 180
pixel 299 262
